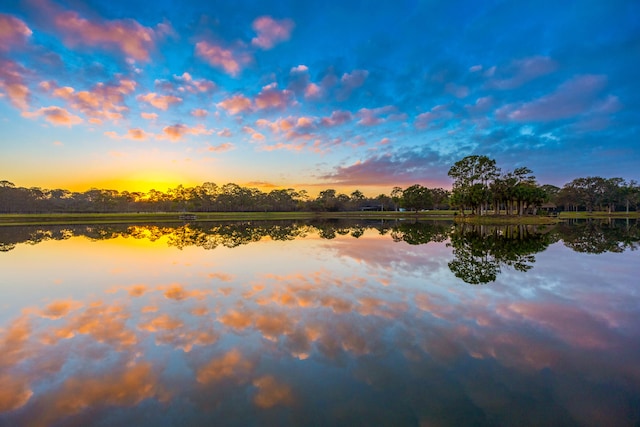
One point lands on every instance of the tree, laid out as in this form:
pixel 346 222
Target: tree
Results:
pixel 472 176
pixel 396 196
pixel 416 198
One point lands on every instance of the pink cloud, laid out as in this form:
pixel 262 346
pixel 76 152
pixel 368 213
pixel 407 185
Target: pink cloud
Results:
pixel 270 97
pixel 521 71
pixel 482 105
pixel 124 35
pixel 312 91
pixel 226 133
pixel 254 134
pixel 102 101
pixel 199 112
pixel 336 118
pixel 271 32
pixel 280 125
pixel 13 32
pixel 354 79
pixel 305 122
pixel 149 116
pixel 13 84
pixel 236 104
pixel 437 113
pixel 178 131
pixel 574 97
pixel 376 116
pixel 289 146
pixel 272 393
pixel 220 148
pixel 135 134
pixel 230 61
pixel 349 82
pixel 56 116
pixel 399 169
pixel 185 83
pixel 161 102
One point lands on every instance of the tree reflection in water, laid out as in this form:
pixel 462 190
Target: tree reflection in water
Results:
pixel 481 250
pixel 600 236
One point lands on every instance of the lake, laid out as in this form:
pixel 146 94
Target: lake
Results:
pixel 336 323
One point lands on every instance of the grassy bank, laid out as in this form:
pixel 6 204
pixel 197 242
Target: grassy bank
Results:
pixel 123 218
pixel 600 215
pixel 507 219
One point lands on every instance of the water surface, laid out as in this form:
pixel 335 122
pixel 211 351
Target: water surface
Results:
pixel 326 323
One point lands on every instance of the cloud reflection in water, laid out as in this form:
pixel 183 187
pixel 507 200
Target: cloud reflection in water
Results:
pixel 344 331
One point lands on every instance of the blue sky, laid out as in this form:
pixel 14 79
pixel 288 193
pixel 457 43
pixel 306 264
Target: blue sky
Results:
pixel 343 94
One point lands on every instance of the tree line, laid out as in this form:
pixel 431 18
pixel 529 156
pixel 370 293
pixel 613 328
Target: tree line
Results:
pixel 479 187
pixel 209 197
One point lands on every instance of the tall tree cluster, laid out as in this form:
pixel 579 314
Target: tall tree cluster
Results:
pixel 480 185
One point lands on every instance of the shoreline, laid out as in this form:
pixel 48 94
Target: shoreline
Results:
pixel 444 215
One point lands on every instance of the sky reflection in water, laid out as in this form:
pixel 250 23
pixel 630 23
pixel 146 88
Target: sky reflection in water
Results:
pixel 313 331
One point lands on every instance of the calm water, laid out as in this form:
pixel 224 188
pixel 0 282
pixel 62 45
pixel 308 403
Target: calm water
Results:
pixel 333 323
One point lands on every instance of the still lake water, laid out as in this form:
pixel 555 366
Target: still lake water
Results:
pixel 311 324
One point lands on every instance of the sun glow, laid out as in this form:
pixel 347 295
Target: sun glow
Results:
pixel 142 182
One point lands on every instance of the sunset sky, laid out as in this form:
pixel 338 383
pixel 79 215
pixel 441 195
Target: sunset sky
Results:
pixel 312 95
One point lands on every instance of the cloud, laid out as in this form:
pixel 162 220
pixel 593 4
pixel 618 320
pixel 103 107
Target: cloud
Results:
pixel 220 148
pixel 376 116
pixel 135 134
pixel 149 116
pixel 161 323
pixel 15 392
pixel 104 101
pixel 457 90
pixel 199 112
pixel 127 387
pixel 194 85
pixel 230 61
pixel 126 36
pixel 161 102
pixel 104 323
pixel 185 83
pixel 225 133
pixel 12 83
pixel 13 340
pixel 482 105
pixel 270 97
pixel 271 32
pixel 337 118
pixel 177 292
pixel 271 392
pixel 56 116
pixel 438 114
pixel 236 104
pixel 13 32
pixel 401 168
pixel 312 91
pixel 232 365
pixel 577 96
pixel 349 82
pixel 520 72
pixel 277 126
pixel 254 134
pixel 58 309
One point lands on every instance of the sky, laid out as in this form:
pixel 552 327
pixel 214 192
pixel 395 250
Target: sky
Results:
pixel 133 95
